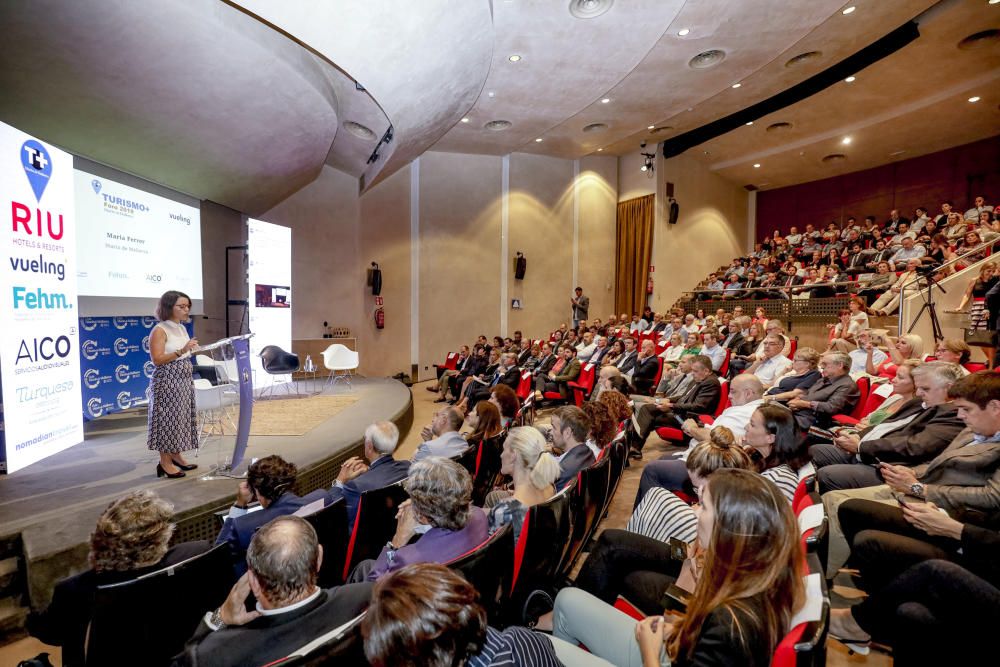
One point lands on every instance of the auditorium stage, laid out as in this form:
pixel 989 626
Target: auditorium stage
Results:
pixel 49 508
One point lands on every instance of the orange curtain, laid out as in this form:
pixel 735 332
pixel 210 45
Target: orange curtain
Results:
pixel 634 251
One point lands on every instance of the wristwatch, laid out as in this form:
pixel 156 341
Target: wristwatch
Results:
pixel 216 622
pixel 917 489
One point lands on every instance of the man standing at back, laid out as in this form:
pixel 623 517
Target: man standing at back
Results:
pixel 356 477
pixel 581 306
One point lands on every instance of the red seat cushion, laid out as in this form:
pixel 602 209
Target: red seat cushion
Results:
pixel 671 433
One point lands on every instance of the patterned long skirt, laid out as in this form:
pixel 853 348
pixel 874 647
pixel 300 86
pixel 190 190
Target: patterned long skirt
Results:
pixel 173 424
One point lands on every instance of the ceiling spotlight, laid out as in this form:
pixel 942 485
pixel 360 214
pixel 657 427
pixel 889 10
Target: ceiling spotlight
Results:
pixel 644 167
pixel 850 79
pixel 737 85
pixel 750 123
pixel 684 31
pixel 514 58
pixel 599 150
pixel 845 140
pixel 538 140
pixel 848 10
pixel 491 94
pixel 974 98
pixel 465 120
pixel 993 2
pixel 605 100
pixel 756 165
pixel 647 160
pixel 651 127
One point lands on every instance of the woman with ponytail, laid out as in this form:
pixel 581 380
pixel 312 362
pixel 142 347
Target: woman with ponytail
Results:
pixel 527 460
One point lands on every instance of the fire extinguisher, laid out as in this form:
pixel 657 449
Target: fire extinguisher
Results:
pixel 380 318
pixel 649 285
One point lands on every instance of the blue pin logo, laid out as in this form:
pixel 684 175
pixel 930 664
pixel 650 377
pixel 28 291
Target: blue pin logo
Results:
pixel 96 184
pixel 37 166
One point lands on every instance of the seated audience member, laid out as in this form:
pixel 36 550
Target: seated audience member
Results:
pixel 484 421
pixel 801 374
pixel 673 353
pixel 570 427
pixel 615 352
pixel 916 433
pixel 546 361
pixel 675 381
pixel 747 588
pixel 474 381
pixel 283 562
pixel 428 614
pixel 906 347
pixel 953 351
pixel 534 470
pixel 131 538
pixel 464 359
pixel 440 501
pixel 773 364
pixel 978 208
pixel 585 348
pixel 603 381
pixel 877 284
pixel 862 354
pixel 381 470
pixel 563 372
pixel 833 394
pixel 691 326
pixel 506 373
pixel 646 367
pixel 909 249
pixel 669 472
pixel 662 514
pixel 442 438
pixel 506 401
pixel 857 260
pixel 530 356
pixel 701 398
pixel 473 367
pixel 602 427
pixel 692 345
pixel 714 284
pixel 903 390
pixel 908 280
pixel 659 324
pixel 963 480
pixel 601 351
pixel 711 349
pixel 269 481
pixel 619 408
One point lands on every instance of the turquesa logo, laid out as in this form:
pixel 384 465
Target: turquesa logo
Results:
pixel 124 374
pixel 95 408
pixel 121 346
pixel 124 400
pixel 148 368
pixel 96 184
pixel 90 349
pixel 37 166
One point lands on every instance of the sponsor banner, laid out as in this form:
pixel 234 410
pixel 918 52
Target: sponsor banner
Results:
pixel 241 348
pixel 39 335
pixel 115 367
pixel 270 276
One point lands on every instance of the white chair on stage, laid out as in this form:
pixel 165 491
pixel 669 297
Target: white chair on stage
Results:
pixel 338 357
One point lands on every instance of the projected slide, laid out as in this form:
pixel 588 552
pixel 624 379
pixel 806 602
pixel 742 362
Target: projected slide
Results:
pixel 134 244
pixel 270 276
pixel 39 335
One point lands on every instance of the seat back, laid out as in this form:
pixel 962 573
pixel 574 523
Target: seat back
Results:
pixel 723 398
pixel 659 375
pixel 277 361
pixel 468 458
pixel 339 357
pixel 864 387
pixel 487 469
pixel 587 502
pixel 180 593
pixel 330 524
pixel 617 453
pixel 524 385
pixel 487 567
pixel 374 525
pixel 724 368
pixel 539 549
pixel 343 645
pixel 584 383
pixel 451 361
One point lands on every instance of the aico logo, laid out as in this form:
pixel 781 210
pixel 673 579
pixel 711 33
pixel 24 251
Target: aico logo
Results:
pixel 32 225
pixel 90 349
pixel 124 400
pixel 92 378
pixel 94 407
pixel 121 346
pixel 40 300
pixel 43 349
pixel 148 368
pixel 153 278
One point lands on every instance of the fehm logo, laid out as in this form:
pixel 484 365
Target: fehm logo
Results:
pixel 37 166
pixel 94 407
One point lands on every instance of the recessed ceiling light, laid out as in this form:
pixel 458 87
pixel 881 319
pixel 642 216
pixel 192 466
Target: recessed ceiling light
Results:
pixel 514 58
pixel 465 120
pixel 750 123
pixel 848 10
pixel 850 79
pixel 684 31
pixel 756 165
pixel 845 140
pixel 605 100
pixel 491 94
pixel 538 140
pixel 993 2
pixel 737 85
pixel 651 127
pixel 974 98
pixel 599 150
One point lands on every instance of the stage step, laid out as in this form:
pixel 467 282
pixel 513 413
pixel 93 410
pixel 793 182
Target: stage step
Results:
pixel 13 617
pixel 13 591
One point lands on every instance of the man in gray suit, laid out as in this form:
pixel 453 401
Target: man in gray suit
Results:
pixel 442 438
pixel 581 306
pixel 835 393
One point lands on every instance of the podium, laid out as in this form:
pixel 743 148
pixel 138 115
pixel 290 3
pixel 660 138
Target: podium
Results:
pixel 234 349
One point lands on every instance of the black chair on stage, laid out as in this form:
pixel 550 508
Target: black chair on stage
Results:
pixel 128 621
pixel 539 551
pixel 276 361
pixel 487 568
pixel 375 524
pixel 586 503
pixel 341 646
pixel 330 524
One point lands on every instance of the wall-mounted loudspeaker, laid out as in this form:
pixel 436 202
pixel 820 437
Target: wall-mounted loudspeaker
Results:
pixel 520 266
pixel 672 212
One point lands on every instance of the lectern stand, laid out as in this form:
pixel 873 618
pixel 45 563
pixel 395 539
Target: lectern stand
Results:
pixel 238 348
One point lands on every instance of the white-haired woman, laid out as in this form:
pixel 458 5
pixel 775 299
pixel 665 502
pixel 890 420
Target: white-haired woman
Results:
pixel 527 460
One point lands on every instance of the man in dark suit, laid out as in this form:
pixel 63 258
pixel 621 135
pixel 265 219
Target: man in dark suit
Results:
pixel 356 477
pixel 790 279
pixel 600 351
pixel 570 426
pixel 472 367
pixel 646 366
pixel 927 424
pixel 284 559
pixel 269 481
pixel 561 373
pixel 627 362
pixel 835 393
pixel 547 360
pixel 506 373
pixel 701 398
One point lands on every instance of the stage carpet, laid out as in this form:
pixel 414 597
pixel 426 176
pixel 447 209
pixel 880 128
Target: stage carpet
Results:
pixel 292 416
